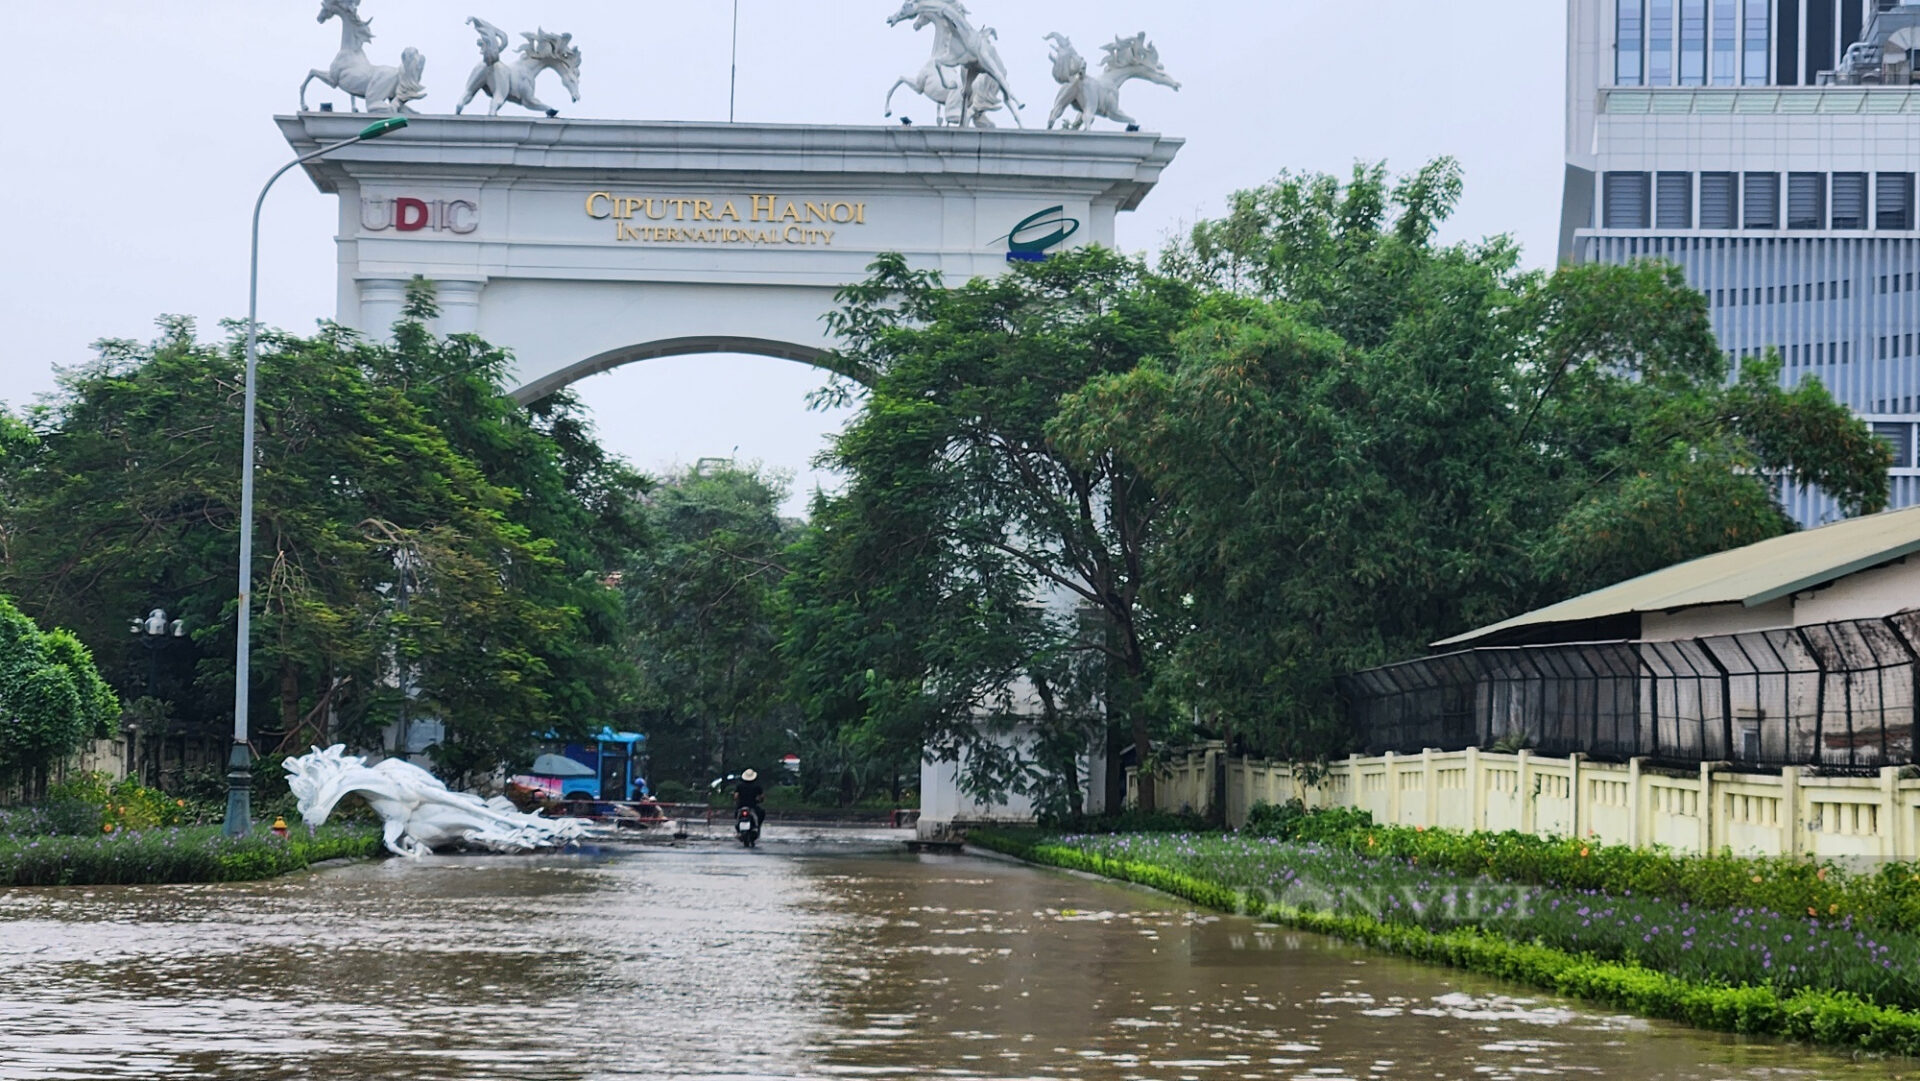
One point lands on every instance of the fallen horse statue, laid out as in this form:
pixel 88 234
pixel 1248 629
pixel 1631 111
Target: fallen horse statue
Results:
pixel 420 813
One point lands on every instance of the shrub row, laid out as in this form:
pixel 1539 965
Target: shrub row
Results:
pixel 1836 1018
pixel 1888 897
pixel 173 855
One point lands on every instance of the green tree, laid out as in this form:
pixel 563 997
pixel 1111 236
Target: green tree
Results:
pixel 1370 441
pixel 1018 566
pixel 51 698
pixel 424 544
pixel 701 602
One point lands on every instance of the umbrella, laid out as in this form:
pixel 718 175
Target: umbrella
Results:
pixel 554 765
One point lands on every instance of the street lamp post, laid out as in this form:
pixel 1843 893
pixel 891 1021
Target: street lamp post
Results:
pixel 156 632
pixel 240 762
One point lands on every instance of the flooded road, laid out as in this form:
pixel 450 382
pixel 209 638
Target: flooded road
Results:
pixel 824 954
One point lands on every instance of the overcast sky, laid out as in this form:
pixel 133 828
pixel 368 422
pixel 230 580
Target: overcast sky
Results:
pixel 142 130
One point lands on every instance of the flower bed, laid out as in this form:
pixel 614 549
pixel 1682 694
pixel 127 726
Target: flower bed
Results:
pixel 1743 970
pixel 1888 897
pixel 172 855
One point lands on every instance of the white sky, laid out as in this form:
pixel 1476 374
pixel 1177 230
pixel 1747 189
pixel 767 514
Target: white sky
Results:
pixel 141 132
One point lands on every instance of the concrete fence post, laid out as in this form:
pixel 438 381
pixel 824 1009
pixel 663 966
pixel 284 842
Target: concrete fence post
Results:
pixel 1526 790
pixel 1890 812
pixel 1476 793
pixel 1792 839
pixel 1429 789
pixel 1636 826
pixel 1709 810
pixel 1393 791
pixel 1575 820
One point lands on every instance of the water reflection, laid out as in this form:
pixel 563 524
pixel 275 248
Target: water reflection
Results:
pixel 822 955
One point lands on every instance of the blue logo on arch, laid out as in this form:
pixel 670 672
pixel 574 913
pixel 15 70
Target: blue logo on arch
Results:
pixel 1028 241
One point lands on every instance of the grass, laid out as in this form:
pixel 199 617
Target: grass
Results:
pixel 1823 977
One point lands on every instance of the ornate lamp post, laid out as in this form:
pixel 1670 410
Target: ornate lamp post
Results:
pixel 156 633
pixel 240 762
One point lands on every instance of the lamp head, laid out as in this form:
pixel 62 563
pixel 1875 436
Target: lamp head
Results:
pixel 385 126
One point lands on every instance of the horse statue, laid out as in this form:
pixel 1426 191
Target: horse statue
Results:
pixel 942 87
pixel 1099 95
pixel 965 63
pixel 505 82
pixel 419 812
pixel 352 72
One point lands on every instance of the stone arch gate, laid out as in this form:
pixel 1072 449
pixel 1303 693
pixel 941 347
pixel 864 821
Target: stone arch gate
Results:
pixel 583 245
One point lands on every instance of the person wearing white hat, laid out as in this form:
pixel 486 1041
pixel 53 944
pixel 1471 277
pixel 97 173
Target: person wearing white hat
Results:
pixel 748 793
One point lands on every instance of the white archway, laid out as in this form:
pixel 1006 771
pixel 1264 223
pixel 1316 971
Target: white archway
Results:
pixel 569 240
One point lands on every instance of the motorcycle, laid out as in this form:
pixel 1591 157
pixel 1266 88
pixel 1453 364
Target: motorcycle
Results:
pixel 746 819
pixel 746 826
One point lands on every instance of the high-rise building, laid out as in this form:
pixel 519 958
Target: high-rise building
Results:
pixel 1769 148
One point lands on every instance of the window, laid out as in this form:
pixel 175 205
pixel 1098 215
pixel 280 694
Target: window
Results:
pixel 1626 201
pixel 1693 43
pixel 1806 200
pixel 1898 437
pixel 1893 201
pixel 1726 54
pixel 1675 207
pixel 1660 42
pixel 1719 201
pixel 1627 43
pixel 1762 201
pixel 1849 201
pixel 1754 69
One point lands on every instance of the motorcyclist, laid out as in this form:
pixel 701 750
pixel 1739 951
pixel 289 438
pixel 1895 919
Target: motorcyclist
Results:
pixel 748 793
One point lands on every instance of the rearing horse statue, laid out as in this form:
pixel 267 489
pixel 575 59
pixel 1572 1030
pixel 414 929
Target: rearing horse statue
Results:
pixel 514 82
pixel 420 814
pixel 962 54
pixel 1099 95
pixel 358 77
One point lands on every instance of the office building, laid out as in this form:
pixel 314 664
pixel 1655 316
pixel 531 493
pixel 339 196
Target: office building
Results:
pixel 1769 148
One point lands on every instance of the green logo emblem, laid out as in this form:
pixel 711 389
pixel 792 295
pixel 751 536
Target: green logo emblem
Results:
pixel 1029 240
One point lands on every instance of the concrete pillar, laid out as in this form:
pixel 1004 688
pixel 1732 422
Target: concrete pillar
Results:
pixel 1575 822
pixel 1890 812
pixel 1429 788
pixel 1708 810
pixel 1476 792
pixel 1636 824
pixel 1393 791
pixel 380 302
pixel 1792 840
pixel 1525 793
pixel 459 307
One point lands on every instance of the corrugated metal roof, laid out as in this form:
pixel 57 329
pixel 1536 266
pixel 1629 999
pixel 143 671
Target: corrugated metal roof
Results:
pixel 1755 575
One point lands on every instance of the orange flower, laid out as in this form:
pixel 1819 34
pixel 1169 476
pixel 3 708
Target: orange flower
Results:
pixel 1370 845
pixel 1756 878
pixel 106 827
pixel 1833 909
pixel 1811 911
pixel 1419 829
pixel 1821 874
pixel 1583 852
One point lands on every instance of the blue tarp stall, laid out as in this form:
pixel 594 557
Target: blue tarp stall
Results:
pixel 616 760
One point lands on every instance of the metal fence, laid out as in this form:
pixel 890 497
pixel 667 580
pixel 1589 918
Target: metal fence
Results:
pixel 1837 695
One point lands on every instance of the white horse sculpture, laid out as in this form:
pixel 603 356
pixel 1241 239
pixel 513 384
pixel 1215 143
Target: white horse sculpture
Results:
pixel 352 72
pixel 942 87
pixel 505 82
pixel 963 60
pixel 1099 95
pixel 420 813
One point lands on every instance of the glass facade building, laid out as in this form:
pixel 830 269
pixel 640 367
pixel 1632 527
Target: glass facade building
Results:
pixel 1770 148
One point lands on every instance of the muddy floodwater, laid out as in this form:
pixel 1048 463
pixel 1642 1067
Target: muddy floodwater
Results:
pixel 823 954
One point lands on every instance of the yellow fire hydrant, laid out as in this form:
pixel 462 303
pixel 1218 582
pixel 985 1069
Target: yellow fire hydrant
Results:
pixel 279 827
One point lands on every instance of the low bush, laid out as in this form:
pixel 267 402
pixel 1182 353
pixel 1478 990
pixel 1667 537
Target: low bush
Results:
pixel 173 855
pixel 1888 897
pixel 1131 820
pixel 1821 1015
